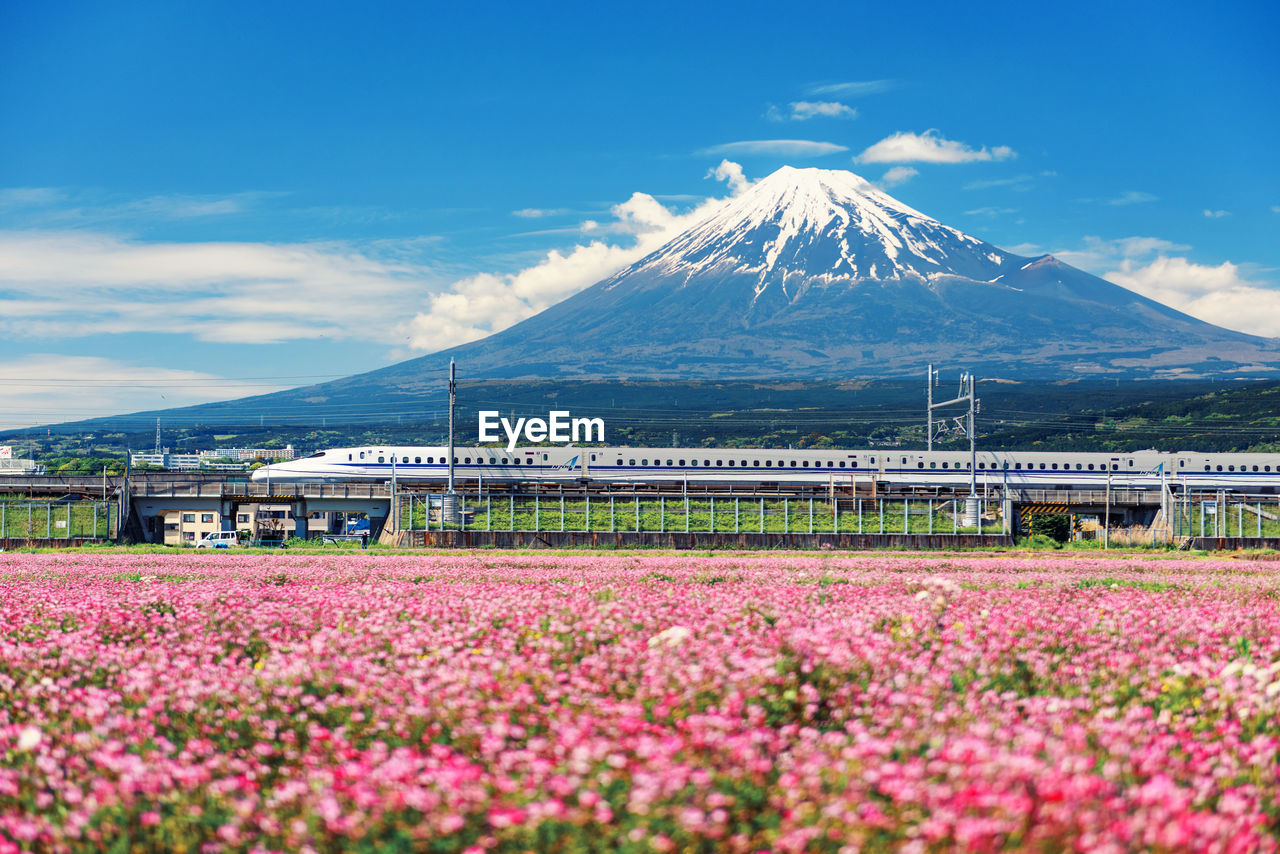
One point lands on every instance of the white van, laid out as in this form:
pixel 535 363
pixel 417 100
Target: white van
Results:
pixel 219 540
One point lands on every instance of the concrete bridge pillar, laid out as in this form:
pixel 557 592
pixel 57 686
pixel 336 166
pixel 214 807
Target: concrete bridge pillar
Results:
pixel 300 520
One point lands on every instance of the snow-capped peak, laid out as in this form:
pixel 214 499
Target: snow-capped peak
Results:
pixel 827 224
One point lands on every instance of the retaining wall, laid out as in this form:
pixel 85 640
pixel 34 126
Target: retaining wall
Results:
pixel 7 543
pixel 690 540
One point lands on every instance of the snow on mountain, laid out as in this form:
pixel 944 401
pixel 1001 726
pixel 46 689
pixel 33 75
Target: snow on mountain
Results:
pixel 819 224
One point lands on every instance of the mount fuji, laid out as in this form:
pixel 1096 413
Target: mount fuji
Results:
pixel 818 274
pixel 812 275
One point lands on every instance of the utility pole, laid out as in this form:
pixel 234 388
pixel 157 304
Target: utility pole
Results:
pixel 453 397
pixel 1106 519
pixel 449 502
pixel 929 379
pixel 973 446
pixel 965 394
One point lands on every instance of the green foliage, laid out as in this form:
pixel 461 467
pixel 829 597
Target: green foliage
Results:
pixel 1055 526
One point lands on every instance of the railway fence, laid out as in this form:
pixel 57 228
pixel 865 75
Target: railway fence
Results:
pixel 37 521
pixel 670 514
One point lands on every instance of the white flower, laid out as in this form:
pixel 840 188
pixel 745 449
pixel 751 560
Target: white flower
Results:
pixel 672 637
pixel 29 738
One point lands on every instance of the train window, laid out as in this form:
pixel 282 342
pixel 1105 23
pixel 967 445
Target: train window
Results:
pixel 1115 467
pixel 467 461
pixel 731 462
pixel 1231 468
pixel 348 456
pixel 1042 466
pixel 1055 466
pixel 1266 468
pixel 842 464
pixel 405 460
pixel 619 462
pixel 381 459
pixel 362 455
pixel 1255 468
pixel 417 460
pixel 644 462
pixel 744 462
pixel 593 458
pixel 931 465
pixel 944 465
pixel 904 461
pixel 805 463
pixel 1090 466
pixel 1182 463
pixel 793 463
pixel 768 464
pixel 631 462
pixel 692 463
pixel 670 463
pixel 706 462
pixel 831 464
pixel 919 465
pixel 1208 468
pixel 719 462
pixel 873 461
pixel 682 462
pixel 504 461
pixel 545 458
pixel 982 465
pixel 1219 468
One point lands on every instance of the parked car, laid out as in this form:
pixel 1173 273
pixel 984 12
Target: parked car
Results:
pixel 219 540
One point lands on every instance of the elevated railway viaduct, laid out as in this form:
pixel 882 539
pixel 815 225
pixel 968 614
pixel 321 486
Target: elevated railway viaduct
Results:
pixel 141 500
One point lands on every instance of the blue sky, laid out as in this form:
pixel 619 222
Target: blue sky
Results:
pixel 202 200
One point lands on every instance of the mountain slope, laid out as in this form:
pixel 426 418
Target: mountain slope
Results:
pixel 816 273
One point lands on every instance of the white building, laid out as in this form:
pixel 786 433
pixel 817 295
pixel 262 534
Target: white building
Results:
pixel 181 462
pixel 248 455
pixel 11 465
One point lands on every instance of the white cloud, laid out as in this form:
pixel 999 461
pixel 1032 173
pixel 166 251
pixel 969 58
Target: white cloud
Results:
pixel 928 147
pixel 1026 250
pixel 539 213
pixel 990 211
pixel 17 198
pixel 802 110
pixel 783 147
pixel 58 207
pixel 48 388
pixel 1275 208
pixel 898 175
pixel 1133 197
pixel 61 284
pixel 731 173
pixel 1017 182
pixel 480 305
pixel 1218 294
pixel 1098 255
pixel 1216 214
pixel 853 88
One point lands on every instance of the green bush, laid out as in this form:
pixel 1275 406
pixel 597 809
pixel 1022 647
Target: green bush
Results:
pixel 1055 526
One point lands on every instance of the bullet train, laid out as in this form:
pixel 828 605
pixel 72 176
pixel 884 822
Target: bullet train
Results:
pixel 1254 473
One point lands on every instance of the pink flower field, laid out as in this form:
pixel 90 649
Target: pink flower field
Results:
pixel 637 703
